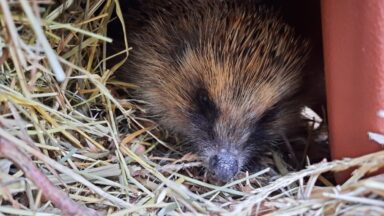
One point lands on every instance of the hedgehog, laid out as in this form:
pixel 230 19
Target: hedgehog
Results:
pixel 225 75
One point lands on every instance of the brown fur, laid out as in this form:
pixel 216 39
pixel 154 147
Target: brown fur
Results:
pixel 240 54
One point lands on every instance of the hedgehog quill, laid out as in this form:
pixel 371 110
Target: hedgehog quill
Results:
pixel 223 74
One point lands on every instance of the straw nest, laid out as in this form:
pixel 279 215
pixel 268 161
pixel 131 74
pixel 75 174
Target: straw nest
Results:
pixel 61 122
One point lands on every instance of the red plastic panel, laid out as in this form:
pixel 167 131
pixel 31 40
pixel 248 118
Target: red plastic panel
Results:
pixel 353 36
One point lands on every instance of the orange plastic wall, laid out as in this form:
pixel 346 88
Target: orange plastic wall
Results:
pixel 353 37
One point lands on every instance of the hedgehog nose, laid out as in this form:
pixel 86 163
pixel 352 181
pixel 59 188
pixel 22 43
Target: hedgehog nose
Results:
pixel 223 166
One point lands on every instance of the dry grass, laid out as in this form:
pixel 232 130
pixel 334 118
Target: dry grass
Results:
pixel 91 145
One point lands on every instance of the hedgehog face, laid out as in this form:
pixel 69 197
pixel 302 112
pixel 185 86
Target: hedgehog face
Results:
pixel 219 142
pixel 227 136
pixel 229 112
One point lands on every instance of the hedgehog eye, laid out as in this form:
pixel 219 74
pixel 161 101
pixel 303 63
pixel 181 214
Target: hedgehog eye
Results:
pixel 205 107
pixel 204 112
pixel 259 133
pixel 204 98
pixel 269 115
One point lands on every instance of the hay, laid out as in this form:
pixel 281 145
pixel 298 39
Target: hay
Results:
pixel 57 106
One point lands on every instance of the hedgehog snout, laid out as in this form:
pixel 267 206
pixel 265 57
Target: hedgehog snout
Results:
pixel 223 166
